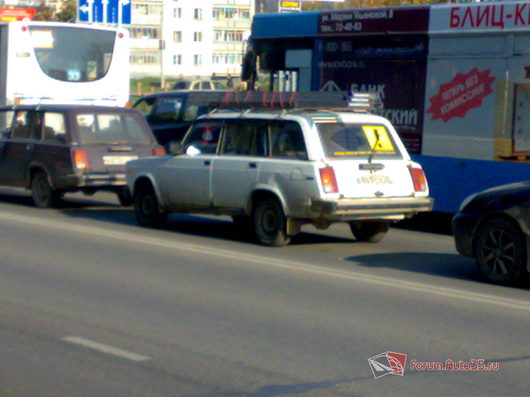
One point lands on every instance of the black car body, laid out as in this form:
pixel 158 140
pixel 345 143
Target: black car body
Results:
pixel 170 114
pixel 54 149
pixel 493 227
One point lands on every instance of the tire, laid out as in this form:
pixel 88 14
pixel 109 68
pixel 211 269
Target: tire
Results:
pixel 500 251
pixel 369 232
pixel 270 223
pixel 124 197
pixel 147 209
pixel 42 193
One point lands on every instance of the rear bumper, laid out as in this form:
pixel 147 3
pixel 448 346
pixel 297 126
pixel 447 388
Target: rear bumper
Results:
pixel 95 180
pixel 379 208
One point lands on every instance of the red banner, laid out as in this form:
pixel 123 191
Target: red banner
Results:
pixel 16 14
pixel 460 95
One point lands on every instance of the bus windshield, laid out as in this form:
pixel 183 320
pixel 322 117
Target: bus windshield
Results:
pixel 73 55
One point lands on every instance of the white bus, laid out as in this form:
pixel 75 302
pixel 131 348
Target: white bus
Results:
pixel 55 62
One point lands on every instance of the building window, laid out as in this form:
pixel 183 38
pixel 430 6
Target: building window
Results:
pixel 177 13
pixel 197 36
pixel 197 13
pixel 177 37
pixel 145 33
pixel 144 58
pixel 197 60
pixel 177 59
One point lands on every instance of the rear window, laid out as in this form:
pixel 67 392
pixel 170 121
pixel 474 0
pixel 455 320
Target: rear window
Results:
pixel 357 140
pixel 110 128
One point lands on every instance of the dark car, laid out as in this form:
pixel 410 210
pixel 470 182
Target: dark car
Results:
pixel 54 149
pixel 170 114
pixel 493 227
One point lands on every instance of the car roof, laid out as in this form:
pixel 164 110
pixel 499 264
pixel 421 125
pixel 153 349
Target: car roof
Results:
pixel 314 115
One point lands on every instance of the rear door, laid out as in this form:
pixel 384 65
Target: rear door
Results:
pixel 366 160
pixel 6 121
pixel 52 151
pixel 235 170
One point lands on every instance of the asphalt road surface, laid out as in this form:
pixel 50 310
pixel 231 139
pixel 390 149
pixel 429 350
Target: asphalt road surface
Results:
pixel 93 305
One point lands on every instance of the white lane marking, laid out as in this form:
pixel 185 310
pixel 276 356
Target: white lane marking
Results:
pixel 105 348
pixel 278 263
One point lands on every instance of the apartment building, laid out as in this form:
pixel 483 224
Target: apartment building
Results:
pixel 196 38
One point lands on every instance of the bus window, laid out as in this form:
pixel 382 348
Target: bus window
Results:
pixel 74 55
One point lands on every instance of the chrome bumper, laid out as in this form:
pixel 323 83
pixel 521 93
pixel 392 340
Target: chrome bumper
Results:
pixel 387 208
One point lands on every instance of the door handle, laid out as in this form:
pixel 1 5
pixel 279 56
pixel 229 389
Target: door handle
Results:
pixel 252 165
pixel 207 162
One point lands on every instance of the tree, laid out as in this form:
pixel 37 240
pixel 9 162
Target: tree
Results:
pixel 68 12
pixel 314 6
pixel 44 13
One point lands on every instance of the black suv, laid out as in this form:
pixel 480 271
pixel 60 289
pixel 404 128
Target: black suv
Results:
pixel 170 114
pixel 54 149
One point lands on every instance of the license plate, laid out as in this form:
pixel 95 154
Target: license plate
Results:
pixel 117 160
pixel 374 179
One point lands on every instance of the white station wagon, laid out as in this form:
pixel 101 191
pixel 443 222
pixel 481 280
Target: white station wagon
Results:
pixel 277 170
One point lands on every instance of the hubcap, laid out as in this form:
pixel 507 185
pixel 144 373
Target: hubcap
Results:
pixel 498 252
pixel 269 221
pixel 148 205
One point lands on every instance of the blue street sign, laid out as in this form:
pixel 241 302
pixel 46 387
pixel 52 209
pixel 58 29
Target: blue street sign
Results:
pixel 105 11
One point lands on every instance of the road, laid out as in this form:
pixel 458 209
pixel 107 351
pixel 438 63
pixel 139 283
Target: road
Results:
pixel 93 305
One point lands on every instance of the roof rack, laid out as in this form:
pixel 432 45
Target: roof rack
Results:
pixel 276 100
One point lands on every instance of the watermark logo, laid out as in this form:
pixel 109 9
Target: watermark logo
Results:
pixel 388 363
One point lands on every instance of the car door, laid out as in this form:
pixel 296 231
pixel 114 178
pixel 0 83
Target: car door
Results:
pixel 6 121
pixel 235 170
pixel 19 149
pixel 184 180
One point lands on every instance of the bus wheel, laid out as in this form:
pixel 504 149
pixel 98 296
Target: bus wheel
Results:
pixel 369 232
pixel 270 223
pixel 42 193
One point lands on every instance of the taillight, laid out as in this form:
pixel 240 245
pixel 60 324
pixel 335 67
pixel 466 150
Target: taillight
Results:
pixel 329 182
pixel 418 179
pixel 159 151
pixel 80 159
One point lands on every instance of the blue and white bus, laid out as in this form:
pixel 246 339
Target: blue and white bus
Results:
pixel 454 79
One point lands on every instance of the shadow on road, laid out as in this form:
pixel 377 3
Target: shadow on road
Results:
pixel 446 265
pixel 430 222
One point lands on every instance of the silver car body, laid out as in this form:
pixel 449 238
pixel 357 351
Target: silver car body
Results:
pixel 368 187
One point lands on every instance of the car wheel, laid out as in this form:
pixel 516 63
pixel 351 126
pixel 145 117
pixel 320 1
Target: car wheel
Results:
pixel 124 196
pixel 270 223
pixel 147 209
pixel 500 251
pixel 370 232
pixel 42 193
